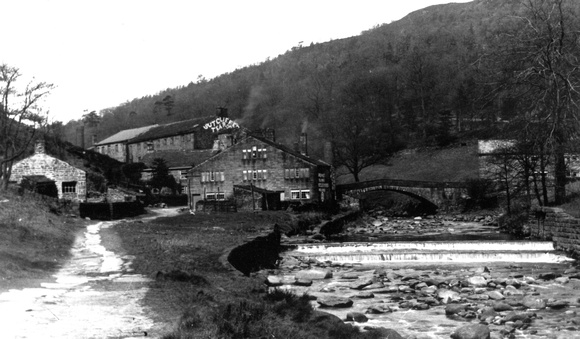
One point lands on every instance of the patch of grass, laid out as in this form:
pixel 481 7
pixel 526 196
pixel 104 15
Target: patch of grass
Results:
pixel 454 164
pixel 34 241
pixel 227 304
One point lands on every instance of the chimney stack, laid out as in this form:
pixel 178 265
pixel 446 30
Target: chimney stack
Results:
pixel 303 144
pixel 221 112
pixel 328 155
pixel 39 147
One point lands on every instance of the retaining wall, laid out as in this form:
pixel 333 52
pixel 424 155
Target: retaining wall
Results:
pixel 551 223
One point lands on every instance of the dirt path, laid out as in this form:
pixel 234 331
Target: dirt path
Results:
pixel 94 295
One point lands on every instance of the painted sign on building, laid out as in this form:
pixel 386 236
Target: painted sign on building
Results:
pixel 220 124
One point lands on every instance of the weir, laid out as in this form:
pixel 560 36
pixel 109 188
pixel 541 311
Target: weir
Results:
pixel 432 252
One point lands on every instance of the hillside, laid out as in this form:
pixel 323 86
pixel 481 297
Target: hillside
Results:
pixel 422 64
pixel 454 164
pixel 35 240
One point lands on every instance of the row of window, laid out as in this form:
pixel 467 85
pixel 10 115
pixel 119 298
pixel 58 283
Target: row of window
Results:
pixel 255 175
pixel 250 175
pixel 294 195
pixel 254 153
pixel 297 173
pixel 215 196
pixel 212 176
pixel 299 194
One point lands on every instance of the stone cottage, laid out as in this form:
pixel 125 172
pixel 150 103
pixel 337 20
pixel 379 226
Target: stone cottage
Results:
pixel 70 181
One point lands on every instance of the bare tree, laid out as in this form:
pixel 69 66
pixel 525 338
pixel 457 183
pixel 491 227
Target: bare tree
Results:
pixel 20 117
pixel 537 61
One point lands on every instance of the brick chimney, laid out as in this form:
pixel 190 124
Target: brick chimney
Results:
pixel 303 144
pixel 40 147
pixel 328 154
pixel 221 112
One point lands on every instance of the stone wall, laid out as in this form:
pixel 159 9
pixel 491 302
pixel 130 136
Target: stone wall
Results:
pixel 550 223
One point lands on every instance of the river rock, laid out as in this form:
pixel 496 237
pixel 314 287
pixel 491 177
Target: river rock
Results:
pixel 303 282
pixel 513 282
pixel 474 331
pixel 447 296
pixel 514 316
pixel 325 320
pixel 477 281
pixel 547 276
pixel 501 306
pixel 487 312
pixel 429 289
pixel 534 302
pixel 375 285
pixel 359 285
pixel 495 295
pixel 314 274
pixel 273 281
pixel 557 304
pixel 365 295
pixel 357 317
pixel 333 301
pixel 562 280
pixel 379 309
pixel 514 292
pixel 454 309
pixel 350 276
pixel 387 289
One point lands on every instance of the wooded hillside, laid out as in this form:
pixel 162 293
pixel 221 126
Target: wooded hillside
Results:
pixel 434 76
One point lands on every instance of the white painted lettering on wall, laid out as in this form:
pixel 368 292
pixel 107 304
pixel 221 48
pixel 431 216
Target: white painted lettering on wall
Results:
pixel 221 123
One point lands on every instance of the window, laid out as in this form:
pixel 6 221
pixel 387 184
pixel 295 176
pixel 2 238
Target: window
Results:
pixel 183 175
pixel 69 187
pixel 255 175
pixel 299 194
pixel 254 153
pixel 215 196
pixel 212 176
pixel 297 173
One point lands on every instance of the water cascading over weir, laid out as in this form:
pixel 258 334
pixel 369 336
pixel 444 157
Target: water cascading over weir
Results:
pixel 432 252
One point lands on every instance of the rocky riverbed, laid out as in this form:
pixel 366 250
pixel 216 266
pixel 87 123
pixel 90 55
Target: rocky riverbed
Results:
pixel 438 300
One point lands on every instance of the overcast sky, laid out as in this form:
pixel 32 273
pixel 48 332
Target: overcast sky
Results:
pixel 102 53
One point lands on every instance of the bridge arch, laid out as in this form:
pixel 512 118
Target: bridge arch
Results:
pixel 439 194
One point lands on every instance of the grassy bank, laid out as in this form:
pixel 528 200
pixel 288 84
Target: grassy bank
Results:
pixel 201 297
pixel 34 241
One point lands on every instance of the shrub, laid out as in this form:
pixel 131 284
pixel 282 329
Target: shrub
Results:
pixel 289 304
pixel 479 192
pixel 515 221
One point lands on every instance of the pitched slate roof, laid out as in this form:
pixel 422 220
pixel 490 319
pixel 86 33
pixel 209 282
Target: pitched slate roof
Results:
pixel 178 158
pixel 124 135
pixel 273 144
pixel 172 129
pixel 291 151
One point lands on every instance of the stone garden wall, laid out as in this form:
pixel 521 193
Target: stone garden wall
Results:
pixel 551 223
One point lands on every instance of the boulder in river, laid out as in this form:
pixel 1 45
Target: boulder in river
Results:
pixel 474 331
pixel 357 317
pixel 333 301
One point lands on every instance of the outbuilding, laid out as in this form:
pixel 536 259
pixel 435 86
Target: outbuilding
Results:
pixel 70 181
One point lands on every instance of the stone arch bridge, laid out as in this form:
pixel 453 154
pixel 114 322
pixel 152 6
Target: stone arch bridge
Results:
pixel 444 195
